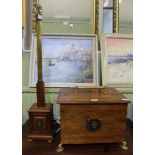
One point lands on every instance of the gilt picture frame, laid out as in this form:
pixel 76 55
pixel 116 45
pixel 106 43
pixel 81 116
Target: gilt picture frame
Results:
pixel 117 60
pixel 69 60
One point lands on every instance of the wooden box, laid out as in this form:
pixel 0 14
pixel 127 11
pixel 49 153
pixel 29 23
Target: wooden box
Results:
pixel 92 115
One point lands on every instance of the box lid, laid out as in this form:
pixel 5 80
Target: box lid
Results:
pixel 106 95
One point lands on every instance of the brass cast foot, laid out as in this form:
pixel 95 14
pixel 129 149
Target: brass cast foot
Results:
pixel 59 148
pixel 123 145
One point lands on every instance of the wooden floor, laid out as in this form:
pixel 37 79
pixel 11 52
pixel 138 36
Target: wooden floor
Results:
pixel 45 148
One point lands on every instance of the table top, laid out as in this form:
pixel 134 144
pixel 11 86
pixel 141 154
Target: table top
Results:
pixel 106 95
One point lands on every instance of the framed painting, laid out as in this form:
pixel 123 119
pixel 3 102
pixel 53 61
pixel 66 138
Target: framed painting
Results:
pixel 68 60
pixel 117 60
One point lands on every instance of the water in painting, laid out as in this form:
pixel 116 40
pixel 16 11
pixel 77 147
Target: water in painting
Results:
pixel 120 60
pixel 67 60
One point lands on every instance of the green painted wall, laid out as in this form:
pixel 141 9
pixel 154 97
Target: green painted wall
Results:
pixel 126 28
pixel 53 27
pixel 51 94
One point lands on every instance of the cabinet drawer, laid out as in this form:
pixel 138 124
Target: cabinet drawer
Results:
pixel 39 122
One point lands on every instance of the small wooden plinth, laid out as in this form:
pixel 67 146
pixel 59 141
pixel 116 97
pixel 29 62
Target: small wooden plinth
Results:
pixel 40 122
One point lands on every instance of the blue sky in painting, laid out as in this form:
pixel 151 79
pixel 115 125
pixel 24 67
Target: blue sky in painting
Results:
pixel 56 46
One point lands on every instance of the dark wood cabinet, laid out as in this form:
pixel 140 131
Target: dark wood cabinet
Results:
pixel 92 115
pixel 41 122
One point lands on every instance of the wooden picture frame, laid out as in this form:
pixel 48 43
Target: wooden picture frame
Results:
pixel 68 60
pixel 23 14
pixel 117 59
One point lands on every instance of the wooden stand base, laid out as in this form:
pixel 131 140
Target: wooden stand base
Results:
pixel 40 123
pixel 49 138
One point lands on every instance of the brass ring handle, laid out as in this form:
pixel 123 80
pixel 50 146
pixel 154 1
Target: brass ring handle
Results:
pixel 93 124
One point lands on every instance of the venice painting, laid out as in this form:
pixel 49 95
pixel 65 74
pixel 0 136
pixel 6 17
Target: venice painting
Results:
pixel 119 60
pixel 67 61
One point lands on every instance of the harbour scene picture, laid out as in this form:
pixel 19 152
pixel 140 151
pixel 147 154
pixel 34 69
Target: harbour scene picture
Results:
pixel 66 60
pixel 120 60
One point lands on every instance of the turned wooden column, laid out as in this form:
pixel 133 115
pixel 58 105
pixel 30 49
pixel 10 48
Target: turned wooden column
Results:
pixel 40 83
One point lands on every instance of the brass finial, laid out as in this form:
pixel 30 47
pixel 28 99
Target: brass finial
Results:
pixel 37 13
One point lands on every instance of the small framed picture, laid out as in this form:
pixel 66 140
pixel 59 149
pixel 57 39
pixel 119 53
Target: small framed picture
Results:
pixel 117 59
pixel 68 60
